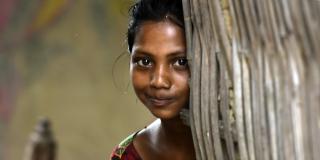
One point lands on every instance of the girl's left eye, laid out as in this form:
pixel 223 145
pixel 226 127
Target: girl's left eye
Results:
pixel 181 62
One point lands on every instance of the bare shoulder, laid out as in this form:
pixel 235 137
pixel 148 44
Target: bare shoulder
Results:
pixel 144 140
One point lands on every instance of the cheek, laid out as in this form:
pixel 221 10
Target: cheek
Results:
pixel 182 82
pixel 139 80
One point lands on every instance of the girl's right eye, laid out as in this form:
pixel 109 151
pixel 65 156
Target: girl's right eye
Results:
pixel 143 62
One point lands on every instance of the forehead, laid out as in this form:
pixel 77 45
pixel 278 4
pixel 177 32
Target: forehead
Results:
pixel 162 36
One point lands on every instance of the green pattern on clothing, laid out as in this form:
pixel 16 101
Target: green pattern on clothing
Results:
pixel 124 144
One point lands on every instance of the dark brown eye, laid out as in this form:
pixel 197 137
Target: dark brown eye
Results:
pixel 182 62
pixel 144 62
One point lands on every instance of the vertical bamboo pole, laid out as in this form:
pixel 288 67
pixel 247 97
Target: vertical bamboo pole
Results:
pixel 270 60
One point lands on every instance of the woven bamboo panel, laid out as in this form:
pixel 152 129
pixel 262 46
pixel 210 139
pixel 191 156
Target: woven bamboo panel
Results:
pixel 255 87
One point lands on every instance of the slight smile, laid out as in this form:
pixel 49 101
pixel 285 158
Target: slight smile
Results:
pixel 160 101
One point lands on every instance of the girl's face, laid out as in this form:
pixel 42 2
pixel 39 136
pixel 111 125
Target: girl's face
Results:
pixel 159 68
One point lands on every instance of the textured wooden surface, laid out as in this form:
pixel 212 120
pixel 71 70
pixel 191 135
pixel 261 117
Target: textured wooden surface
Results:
pixel 255 83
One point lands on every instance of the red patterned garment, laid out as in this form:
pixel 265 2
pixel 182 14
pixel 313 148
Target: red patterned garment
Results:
pixel 125 150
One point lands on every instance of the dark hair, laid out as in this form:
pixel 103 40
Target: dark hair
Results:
pixel 153 10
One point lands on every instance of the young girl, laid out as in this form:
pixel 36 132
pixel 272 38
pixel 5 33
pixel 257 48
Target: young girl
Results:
pixel 159 72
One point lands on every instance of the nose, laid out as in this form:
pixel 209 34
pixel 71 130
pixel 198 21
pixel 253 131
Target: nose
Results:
pixel 160 78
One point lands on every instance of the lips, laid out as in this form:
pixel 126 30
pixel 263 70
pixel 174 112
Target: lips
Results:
pixel 160 101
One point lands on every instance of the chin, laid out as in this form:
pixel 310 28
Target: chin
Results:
pixel 165 115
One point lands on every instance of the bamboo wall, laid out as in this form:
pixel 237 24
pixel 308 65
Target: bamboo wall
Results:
pixel 255 87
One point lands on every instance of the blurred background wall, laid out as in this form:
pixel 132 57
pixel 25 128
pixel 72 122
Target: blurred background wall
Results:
pixel 58 59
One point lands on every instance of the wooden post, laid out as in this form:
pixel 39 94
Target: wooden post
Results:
pixel 41 145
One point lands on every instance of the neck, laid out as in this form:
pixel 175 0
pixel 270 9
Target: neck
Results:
pixel 168 139
pixel 174 132
pixel 174 126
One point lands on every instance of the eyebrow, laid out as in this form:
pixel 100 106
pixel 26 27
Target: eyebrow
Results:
pixel 172 54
